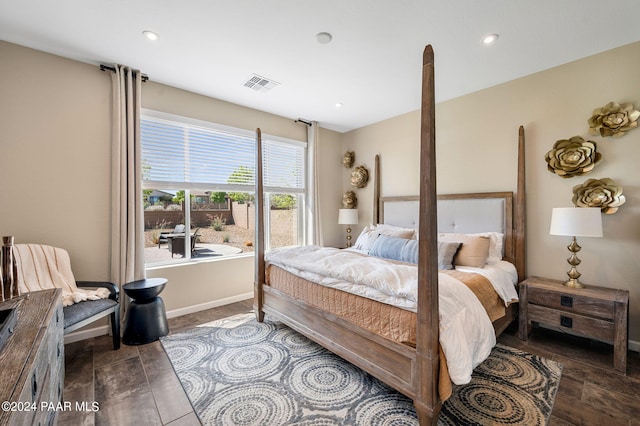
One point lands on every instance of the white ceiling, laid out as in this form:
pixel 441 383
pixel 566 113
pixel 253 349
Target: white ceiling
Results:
pixel 372 65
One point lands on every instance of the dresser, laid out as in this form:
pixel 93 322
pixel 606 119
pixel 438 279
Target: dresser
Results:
pixel 32 361
pixel 599 313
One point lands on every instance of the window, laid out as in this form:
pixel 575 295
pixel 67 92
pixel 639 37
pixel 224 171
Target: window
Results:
pixel 201 175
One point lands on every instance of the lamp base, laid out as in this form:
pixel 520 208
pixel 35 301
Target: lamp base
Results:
pixel 573 283
pixel 348 236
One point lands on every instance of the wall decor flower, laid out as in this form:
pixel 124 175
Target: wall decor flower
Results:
pixel 613 119
pixel 359 177
pixel 602 193
pixel 349 200
pixel 572 157
pixel 348 158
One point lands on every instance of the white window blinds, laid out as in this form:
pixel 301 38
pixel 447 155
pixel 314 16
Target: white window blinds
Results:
pixel 178 152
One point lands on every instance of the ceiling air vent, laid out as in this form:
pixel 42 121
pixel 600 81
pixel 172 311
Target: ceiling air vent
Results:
pixel 260 84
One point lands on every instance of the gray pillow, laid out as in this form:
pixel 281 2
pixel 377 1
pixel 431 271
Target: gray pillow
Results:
pixel 446 254
pixel 406 250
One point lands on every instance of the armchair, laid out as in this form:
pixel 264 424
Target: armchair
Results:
pixel 80 314
pixel 41 267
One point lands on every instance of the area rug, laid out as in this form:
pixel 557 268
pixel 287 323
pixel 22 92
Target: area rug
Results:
pixel 237 371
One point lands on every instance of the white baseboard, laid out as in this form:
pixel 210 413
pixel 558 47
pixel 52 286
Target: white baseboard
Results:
pixel 76 336
pixel 208 305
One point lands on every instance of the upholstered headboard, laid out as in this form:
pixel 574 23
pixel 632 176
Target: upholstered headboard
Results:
pixel 461 213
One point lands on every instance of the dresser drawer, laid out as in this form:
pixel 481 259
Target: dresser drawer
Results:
pixel 572 303
pixel 588 326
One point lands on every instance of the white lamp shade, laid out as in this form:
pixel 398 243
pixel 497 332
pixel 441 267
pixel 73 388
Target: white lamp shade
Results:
pixel 347 216
pixel 576 222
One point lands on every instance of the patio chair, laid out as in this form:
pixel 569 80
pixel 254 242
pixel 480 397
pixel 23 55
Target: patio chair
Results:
pixel 176 246
pixel 162 238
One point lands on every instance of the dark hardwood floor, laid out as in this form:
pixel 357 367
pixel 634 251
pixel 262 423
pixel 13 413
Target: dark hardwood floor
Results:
pixel 136 385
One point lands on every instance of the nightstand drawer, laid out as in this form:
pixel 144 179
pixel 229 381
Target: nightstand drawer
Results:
pixel 592 327
pixel 573 303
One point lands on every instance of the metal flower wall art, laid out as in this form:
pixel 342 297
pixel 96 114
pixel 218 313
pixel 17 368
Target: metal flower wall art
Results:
pixel 602 193
pixel 359 177
pixel 349 200
pixel 613 119
pixel 348 158
pixel 572 157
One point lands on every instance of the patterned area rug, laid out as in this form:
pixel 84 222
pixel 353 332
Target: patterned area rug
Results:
pixel 240 372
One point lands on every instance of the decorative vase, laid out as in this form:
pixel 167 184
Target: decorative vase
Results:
pixel 9 270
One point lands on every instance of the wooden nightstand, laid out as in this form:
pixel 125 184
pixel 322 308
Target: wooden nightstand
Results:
pixel 595 312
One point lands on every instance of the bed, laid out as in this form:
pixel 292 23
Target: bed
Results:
pixel 412 365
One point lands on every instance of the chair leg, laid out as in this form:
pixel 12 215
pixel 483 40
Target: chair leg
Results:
pixel 115 328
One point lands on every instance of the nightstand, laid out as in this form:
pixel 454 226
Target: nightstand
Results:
pixel 595 312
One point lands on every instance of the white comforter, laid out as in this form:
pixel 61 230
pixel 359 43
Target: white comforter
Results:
pixel 466 332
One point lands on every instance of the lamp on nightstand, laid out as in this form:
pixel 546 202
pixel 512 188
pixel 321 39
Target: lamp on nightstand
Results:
pixel 348 217
pixel 576 222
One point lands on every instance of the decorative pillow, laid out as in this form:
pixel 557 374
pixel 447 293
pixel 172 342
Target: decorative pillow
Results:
pixel 473 252
pixel 446 254
pixel 370 233
pixel 496 246
pixel 406 250
pixel 395 248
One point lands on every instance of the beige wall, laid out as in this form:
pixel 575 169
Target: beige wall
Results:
pixel 476 151
pixel 54 157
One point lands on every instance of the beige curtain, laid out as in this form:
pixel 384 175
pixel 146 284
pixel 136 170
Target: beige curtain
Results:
pixel 314 228
pixel 127 221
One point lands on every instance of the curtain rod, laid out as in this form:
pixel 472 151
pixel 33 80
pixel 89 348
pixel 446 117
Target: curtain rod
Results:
pixel 300 120
pixel 103 67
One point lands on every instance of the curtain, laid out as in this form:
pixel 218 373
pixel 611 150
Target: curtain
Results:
pixel 314 228
pixel 127 220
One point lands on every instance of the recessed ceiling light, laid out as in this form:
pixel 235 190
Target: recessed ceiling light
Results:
pixel 150 35
pixel 489 39
pixel 323 38
pixel 338 104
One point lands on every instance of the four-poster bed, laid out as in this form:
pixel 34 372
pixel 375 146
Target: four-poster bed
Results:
pixel 415 367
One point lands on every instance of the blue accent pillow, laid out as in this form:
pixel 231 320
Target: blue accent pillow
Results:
pixel 395 248
pixel 405 250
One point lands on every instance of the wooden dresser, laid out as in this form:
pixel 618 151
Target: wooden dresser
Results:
pixel 596 312
pixel 32 361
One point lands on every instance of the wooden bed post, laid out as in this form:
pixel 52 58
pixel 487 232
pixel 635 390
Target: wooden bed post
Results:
pixel 427 400
pixel 258 295
pixel 520 211
pixel 376 191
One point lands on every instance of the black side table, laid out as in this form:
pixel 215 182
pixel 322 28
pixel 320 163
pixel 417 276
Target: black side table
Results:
pixel 146 319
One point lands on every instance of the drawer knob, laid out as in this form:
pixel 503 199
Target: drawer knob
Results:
pixel 566 301
pixel 566 322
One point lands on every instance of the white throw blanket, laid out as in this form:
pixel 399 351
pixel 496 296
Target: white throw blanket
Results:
pixel 42 267
pixel 466 332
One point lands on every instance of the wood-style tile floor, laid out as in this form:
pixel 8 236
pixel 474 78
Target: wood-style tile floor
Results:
pixel 136 385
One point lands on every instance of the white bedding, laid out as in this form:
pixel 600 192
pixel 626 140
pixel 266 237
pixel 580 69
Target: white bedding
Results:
pixel 466 332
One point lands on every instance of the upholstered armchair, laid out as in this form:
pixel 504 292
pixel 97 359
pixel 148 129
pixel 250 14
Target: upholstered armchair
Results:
pixel 80 314
pixel 42 267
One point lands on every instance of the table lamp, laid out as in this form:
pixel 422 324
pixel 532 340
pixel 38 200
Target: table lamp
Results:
pixel 575 222
pixel 348 217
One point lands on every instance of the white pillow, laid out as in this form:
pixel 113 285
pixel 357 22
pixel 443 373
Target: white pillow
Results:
pixel 370 233
pixel 496 243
